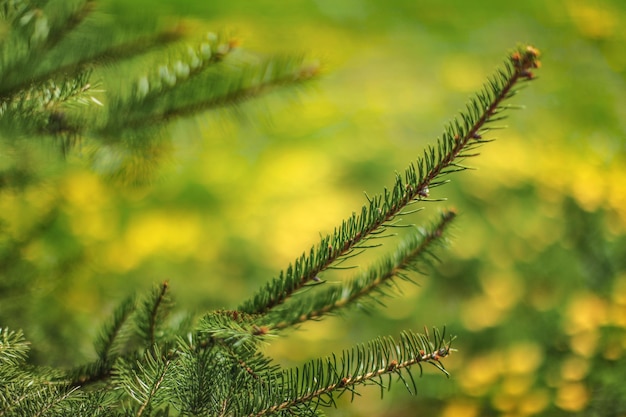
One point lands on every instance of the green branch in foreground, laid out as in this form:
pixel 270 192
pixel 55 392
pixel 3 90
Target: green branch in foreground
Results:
pixel 320 381
pixel 460 137
pixel 417 248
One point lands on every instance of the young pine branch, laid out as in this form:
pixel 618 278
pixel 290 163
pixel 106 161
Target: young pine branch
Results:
pixel 35 31
pixel 143 380
pixel 133 328
pixel 417 248
pixel 152 314
pixel 13 350
pixel 114 334
pixel 41 82
pixel 319 382
pixel 459 140
pixel 196 83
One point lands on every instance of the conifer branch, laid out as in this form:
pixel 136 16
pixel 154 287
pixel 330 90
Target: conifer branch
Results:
pixel 39 109
pixel 233 332
pixel 213 376
pixel 321 380
pixel 416 248
pixel 149 317
pixel 13 349
pixel 37 29
pixel 112 335
pixel 152 313
pixel 191 84
pixel 144 380
pixel 55 399
pixel 36 76
pixel 460 137
pixel 127 50
pixel 103 50
pixel 111 343
pixel 220 325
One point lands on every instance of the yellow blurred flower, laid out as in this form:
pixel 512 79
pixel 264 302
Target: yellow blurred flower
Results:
pixel 503 288
pixel 588 185
pixel 504 402
pixel 523 358
pixel 618 315
pixel 585 343
pixel 572 396
pixel 593 19
pixel 585 311
pixel 173 234
pixel 479 313
pixel 84 190
pixel 533 402
pixel 88 206
pixel 517 385
pixel 480 373
pixel 460 408
pixel 574 368
pixel 461 73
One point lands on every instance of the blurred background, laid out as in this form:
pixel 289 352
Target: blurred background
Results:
pixel 534 281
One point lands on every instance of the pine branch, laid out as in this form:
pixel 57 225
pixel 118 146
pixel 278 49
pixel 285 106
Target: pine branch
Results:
pixel 459 139
pixel 320 381
pixel 232 332
pixel 250 86
pixel 37 29
pixel 93 47
pixel 211 378
pixel 40 80
pixel 144 380
pixel 114 337
pixel 195 83
pixel 230 329
pixel 154 95
pixel 110 52
pixel 13 349
pixel 31 397
pixel 40 108
pixel 55 399
pixel 415 250
pixel 113 334
pixel 151 313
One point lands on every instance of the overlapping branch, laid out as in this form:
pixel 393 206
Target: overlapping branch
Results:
pixel 40 81
pixel 319 382
pixel 370 284
pixel 458 142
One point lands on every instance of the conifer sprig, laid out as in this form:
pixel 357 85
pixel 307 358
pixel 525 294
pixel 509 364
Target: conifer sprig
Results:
pixel 190 85
pixel 144 380
pixel 152 313
pixel 40 80
pixel 115 333
pixel 13 349
pixel 459 140
pixel 372 283
pixel 35 30
pixel 320 381
pixel 220 325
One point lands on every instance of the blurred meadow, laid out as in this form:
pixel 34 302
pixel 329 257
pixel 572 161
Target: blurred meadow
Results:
pixel 534 281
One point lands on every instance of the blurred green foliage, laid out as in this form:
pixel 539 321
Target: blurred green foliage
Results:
pixel 534 284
